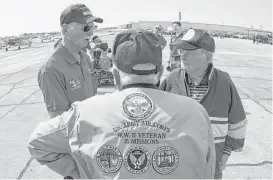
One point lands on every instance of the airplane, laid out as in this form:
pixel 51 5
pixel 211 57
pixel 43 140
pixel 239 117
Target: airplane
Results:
pixel 16 42
pixel 46 38
pixel 2 44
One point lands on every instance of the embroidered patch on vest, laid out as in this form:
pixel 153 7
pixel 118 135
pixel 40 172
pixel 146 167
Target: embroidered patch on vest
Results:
pixel 109 159
pixel 165 160
pixel 137 106
pixel 137 160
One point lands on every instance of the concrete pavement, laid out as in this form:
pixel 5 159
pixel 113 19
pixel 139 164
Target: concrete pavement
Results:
pixel 22 107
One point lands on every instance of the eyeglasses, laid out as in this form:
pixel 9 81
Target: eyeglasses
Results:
pixel 87 28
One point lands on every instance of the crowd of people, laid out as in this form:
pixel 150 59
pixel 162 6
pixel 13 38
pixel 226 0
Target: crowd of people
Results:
pixel 185 127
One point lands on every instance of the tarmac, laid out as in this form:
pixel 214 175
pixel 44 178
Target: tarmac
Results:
pixel 22 106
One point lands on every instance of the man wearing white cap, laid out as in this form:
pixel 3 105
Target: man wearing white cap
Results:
pixel 212 88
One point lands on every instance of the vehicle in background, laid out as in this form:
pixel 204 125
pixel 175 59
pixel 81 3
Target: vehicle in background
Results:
pixel 18 43
pixel 46 38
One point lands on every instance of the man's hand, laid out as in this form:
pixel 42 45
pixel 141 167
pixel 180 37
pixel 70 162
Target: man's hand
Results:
pixel 223 161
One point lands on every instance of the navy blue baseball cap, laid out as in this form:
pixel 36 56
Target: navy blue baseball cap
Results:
pixel 134 47
pixel 79 13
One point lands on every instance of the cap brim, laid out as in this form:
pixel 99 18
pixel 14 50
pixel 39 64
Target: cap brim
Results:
pixel 185 45
pixel 95 19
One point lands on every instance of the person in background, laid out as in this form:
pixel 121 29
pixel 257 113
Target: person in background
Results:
pixel 158 31
pixel 175 59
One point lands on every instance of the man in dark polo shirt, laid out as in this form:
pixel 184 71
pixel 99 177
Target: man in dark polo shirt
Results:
pixel 67 76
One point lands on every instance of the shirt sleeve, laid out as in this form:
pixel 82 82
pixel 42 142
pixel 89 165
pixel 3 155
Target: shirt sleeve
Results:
pixel 49 144
pixel 52 85
pixel 237 123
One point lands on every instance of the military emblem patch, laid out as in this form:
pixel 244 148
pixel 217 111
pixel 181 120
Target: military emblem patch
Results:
pixel 137 106
pixel 137 160
pixel 109 159
pixel 165 160
pixel 74 84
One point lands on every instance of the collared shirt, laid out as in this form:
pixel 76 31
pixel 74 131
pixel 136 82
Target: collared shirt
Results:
pixel 64 80
pixel 198 91
pixel 224 106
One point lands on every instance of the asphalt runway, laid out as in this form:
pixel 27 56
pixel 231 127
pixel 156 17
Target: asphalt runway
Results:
pixel 22 107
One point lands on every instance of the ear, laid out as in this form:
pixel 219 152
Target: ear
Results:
pixel 65 29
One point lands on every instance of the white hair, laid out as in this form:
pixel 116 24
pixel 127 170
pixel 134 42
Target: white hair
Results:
pixel 128 79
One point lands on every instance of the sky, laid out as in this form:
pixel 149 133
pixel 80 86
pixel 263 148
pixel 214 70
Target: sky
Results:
pixel 33 16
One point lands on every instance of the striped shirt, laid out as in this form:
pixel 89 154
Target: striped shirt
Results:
pixel 197 92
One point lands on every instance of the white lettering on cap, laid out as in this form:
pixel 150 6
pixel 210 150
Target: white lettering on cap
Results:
pixel 189 35
pixel 87 13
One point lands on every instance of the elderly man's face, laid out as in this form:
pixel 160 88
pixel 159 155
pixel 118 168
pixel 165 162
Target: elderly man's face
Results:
pixel 80 34
pixel 194 61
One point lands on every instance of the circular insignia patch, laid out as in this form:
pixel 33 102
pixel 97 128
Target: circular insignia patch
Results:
pixel 165 160
pixel 137 160
pixel 137 106
pixel 75 84
pixel 189 35
pixel 109 159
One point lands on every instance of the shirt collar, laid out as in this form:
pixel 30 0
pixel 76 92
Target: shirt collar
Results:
pixel 205 80
pixel 140 85
pixel 68 55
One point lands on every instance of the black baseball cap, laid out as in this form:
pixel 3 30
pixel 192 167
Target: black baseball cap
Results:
pixel 79 13
pixel 134 47
pixel 196 39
